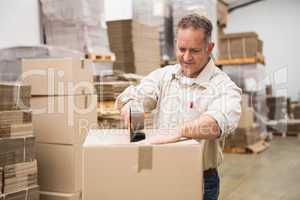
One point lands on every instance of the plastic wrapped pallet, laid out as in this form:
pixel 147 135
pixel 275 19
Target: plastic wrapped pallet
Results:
pixel 82 37
pixel 207 8
pixel 77 25
pixel 277 108
pixel 10 58
pixel 157 13
pixel 251 79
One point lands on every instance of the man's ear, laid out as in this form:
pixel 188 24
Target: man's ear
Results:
pixel 210 47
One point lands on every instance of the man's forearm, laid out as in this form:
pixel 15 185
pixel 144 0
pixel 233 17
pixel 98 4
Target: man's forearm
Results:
pixel 205 127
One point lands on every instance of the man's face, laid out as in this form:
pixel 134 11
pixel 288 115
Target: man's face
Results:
pixel 192 51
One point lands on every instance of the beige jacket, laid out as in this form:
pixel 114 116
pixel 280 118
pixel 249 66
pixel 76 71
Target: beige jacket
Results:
pixel 177 99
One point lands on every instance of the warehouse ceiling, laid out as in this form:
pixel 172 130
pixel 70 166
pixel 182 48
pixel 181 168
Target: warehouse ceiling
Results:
pixel 235 4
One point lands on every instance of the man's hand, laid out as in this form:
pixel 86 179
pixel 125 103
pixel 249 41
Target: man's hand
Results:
pixel 165 136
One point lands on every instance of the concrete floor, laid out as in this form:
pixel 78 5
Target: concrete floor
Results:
pixel 271 175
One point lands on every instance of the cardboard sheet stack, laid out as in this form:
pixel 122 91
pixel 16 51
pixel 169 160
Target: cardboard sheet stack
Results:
pixel 64 108
pixel 116 169
pixel 76 25
pixel 10 58
pixel 107 89
pixel 248 132
pixel 18 165
pixel 157 14
pixel 136 46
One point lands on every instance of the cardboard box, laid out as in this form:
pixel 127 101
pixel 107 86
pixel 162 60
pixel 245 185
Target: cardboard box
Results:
pixel 243 137
pixel 59 196
pixel 61 76
pixel 59 167
pixel 247 114
pixel 247 118
pixel 137 171
pixel 239 45
pixel 63 119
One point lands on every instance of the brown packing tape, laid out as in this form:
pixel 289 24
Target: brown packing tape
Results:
pixel 86 102
pixel 145 158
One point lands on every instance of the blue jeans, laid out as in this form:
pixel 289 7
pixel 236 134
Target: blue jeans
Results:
pixel 211 186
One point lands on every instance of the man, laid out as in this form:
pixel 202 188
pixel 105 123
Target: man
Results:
pixel 194 98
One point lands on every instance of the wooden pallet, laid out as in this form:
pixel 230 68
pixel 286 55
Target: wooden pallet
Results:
pixel 100 57
pixel 241 61
pixel 255 148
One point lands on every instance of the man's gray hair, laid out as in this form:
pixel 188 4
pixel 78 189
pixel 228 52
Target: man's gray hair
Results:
pixel 197 22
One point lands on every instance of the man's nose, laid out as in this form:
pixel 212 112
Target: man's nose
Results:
pixel 187 56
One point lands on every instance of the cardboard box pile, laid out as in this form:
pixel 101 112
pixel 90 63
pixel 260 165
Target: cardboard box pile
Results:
pixel 64 107
pixel 10 58
pixel 110 90
pixel 107 89
pixel 248 132
pixel 240 45
pixel 136 46
pixel 79 27
pixel 147 171
pixel 18 171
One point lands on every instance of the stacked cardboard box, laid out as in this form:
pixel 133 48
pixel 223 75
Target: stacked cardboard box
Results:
pixel 277 108
pixel 143 167
pixel 18 173
pixel 157 14
pixel 247 132
pixel 10 58
pixel 79 27
pixel 110 90
pixel 136 46
pixel 107 89
pixel 240 45
pixel 64 108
